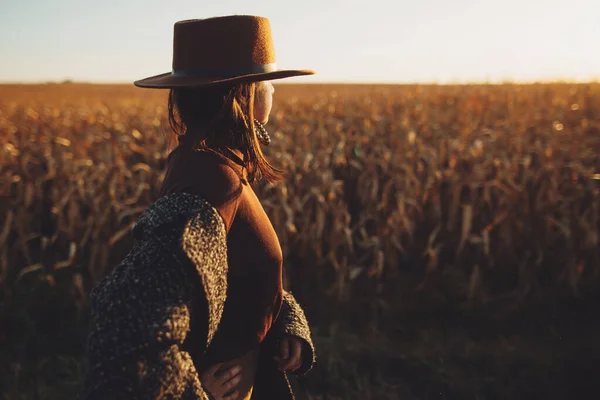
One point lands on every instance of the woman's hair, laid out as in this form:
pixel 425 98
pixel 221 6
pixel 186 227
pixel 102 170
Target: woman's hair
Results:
pixel 216 118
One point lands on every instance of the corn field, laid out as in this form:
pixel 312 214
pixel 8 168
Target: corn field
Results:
pixel 395 197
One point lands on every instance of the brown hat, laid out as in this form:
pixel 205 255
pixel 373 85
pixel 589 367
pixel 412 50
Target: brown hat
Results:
pixel 231 49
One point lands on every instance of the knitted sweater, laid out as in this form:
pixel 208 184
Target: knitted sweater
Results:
pixel 140 312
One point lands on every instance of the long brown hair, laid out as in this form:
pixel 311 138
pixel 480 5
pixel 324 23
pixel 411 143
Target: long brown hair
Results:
pixel 217 118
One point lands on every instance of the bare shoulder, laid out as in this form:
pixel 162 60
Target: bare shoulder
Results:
pixel 213 177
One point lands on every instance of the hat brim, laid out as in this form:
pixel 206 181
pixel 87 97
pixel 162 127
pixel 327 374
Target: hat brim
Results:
pixel 168 80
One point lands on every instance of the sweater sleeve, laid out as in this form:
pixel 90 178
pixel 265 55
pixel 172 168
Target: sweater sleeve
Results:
pixel 134 347
pixel 141 311
pixel 292 321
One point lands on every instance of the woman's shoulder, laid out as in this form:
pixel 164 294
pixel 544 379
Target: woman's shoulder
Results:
pixel 206 160
pixel 207 173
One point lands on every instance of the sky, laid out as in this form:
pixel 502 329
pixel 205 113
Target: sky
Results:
pixel 374 41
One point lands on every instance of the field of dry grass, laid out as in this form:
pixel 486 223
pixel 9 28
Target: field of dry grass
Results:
pixel 452 231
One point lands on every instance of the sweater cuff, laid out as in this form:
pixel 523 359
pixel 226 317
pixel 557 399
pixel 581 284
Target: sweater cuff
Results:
pixel 292 322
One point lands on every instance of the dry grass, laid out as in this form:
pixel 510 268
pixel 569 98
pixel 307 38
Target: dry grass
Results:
pixel 397 199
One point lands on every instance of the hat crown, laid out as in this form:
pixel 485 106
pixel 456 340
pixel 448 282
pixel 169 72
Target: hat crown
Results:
pixel 228 43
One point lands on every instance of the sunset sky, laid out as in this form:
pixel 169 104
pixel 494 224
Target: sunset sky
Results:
pixel 343 40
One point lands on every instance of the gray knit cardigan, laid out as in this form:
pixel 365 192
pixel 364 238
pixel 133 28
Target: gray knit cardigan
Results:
pixel 140 312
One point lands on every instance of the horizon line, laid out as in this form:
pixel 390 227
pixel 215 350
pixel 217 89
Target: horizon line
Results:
pixel 382 83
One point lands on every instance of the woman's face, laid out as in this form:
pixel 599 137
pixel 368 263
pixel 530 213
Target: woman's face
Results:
pixel 263 99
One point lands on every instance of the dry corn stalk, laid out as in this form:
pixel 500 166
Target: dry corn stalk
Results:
pixel 387 180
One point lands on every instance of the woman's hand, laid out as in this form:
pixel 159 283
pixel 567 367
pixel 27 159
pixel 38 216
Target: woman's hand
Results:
pixel 290 354
pixel 220 385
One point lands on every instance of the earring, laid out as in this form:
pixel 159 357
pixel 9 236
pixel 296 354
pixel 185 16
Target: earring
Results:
pixel 261 132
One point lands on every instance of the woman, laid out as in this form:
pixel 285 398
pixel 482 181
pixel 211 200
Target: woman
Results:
pixel 206 254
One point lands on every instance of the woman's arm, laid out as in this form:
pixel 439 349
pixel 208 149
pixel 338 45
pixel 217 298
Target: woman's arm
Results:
pixel 291 322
